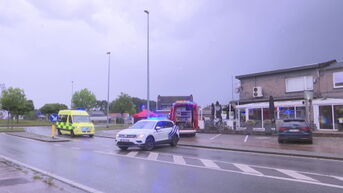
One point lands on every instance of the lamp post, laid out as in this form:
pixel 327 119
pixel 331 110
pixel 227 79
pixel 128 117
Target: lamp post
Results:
pixel 148 81
pixel 72 93
pixel 108 89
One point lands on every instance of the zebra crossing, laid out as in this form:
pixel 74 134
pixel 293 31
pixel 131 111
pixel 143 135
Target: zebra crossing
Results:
pixel 252 170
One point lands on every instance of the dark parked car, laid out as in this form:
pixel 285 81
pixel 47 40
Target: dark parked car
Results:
pixel 294 130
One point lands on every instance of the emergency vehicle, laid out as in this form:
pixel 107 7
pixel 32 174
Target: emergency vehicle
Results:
pixel 74 122
pixel 185 115
pixel 148 133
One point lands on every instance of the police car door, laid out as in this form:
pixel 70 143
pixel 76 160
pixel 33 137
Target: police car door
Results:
pixel 159 131
pixel 167 129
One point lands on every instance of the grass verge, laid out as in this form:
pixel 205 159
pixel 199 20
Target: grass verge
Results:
pixel 12 130
pixel 4 123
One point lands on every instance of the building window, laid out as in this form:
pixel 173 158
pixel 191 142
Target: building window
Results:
pixel 338 114
pixel 299 84
pixel 286 113
pixel 325 117
pixel 242 117
pixel 300 112
pixel 338 79
pixel 256 116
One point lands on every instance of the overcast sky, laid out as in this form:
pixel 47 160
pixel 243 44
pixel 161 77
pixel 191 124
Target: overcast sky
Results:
pixel 196 46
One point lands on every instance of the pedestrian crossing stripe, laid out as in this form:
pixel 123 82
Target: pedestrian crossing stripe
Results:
pixel 295 176
pixel 248 169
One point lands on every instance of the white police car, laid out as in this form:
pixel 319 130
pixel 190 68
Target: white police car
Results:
pixel 147 133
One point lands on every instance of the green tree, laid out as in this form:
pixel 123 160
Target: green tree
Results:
pixel 14 101
pixel 139 103
pixel 84 99
pixel 101 105
pixel 27 107
pixel 48 109
pixel 123 104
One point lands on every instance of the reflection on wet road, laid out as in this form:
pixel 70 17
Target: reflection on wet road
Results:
pixel 97 163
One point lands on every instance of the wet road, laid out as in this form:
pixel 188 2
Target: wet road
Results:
pixel 97 163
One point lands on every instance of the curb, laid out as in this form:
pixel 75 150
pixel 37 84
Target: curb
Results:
pixel 103 136
pixel 38 139
pixel 261 133
pixel 264 152
pixel 64 180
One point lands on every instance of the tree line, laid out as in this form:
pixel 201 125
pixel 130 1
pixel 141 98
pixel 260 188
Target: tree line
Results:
pixel 15 102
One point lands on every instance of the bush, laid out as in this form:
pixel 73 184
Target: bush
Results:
pixel 30 116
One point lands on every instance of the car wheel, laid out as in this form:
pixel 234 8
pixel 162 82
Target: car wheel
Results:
pixel 91 135
pixel 123 148
pixel 310 141
pixel 149 143
pixel 174 141
pixel 59 132
pixel 72 133
pixel 280 140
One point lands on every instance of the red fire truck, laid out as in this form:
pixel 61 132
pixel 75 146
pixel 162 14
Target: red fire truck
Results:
pixel 185 115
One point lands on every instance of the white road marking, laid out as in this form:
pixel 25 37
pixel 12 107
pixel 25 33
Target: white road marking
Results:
pixel 246 138
pixel 102 152
pixel 65 180
pixel 209 163
pixel 179 160
pixel 215 136
pixel 132 153
pixel 248 169
pixel 296 175
pixel 338 178
pixel 232 171
pixel 58 145
pixel 152 156
pixel 77 148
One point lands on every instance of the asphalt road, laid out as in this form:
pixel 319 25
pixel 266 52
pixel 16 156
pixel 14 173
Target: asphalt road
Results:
pixel 97 163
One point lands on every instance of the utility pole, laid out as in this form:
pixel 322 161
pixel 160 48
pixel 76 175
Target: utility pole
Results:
pixel 108 88
pixel 72 93
pixel 148 78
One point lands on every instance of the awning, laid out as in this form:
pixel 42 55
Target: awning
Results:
pixel 326 101
pixel 144 114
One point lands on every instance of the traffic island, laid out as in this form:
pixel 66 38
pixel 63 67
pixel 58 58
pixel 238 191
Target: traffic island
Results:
pixel 37 137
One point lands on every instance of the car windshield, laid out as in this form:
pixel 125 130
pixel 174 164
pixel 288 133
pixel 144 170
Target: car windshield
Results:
pixel 294 124
pixel 81 118
pixel 143 125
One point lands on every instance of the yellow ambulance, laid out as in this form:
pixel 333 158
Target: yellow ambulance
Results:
pixel 74 122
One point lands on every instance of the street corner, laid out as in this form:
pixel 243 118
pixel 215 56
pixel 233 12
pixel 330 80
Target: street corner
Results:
pixel 15 178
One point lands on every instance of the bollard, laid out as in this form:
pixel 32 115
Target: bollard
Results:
pixel 53 130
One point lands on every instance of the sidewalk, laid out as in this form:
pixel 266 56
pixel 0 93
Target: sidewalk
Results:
pixel 16 179
pixel 322 147
pixel 38 137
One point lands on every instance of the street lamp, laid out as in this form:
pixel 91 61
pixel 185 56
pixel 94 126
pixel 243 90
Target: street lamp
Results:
pixel 148 89
pixel 72 93
pixel 108 88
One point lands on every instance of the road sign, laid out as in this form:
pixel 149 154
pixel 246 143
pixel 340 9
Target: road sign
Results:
pixel 53 117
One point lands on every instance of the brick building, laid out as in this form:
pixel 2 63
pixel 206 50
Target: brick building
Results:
pixel 287 86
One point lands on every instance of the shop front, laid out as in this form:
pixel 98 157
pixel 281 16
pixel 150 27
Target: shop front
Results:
pixel 327 113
